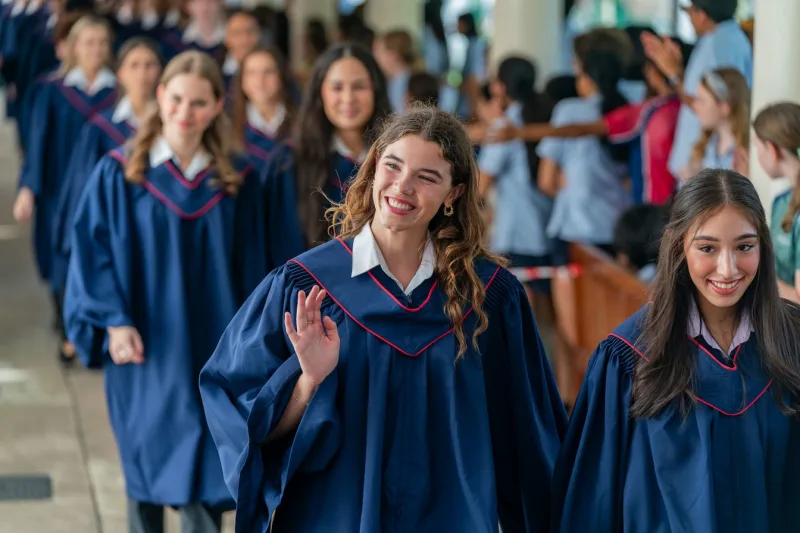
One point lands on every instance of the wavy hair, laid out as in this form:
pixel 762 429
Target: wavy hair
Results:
pixel 737 96
pixel 666 373
pixel 216 137
pixel 314 133
pixel 240 100
pixel 457 239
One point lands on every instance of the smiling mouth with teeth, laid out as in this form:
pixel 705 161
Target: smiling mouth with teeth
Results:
pixel 395 204
pixel 725 286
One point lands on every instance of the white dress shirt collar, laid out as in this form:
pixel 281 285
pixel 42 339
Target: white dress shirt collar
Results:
pixel 124 113
pixel 367 255
pixel 192 35
pixel 697 328
pixel 161 152
pixel 270 128
pixel 339 146
pixel 230 67
pixel 105 79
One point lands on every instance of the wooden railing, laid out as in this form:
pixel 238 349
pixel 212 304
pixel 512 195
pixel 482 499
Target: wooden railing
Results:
pixel 588 308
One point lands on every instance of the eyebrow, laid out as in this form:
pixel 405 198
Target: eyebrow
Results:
pixel 430 170
pixel 714 239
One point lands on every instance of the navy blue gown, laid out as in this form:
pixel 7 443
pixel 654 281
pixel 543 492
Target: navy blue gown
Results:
pixel 730 467
pixel 285 235
pixel 97 138
pixel 58 115
pixel 400 436
pixel 172 44
pixel 258 146
pixel 174 259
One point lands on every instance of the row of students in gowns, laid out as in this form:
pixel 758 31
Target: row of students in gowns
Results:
pixel 167 243
pixel 361 416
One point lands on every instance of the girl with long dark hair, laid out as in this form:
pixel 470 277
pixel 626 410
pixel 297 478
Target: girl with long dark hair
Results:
pixel 344 100
pixel 687 419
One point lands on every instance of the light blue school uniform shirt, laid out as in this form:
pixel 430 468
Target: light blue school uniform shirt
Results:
pixel 726 46
pixel 522 210
pixel 593 197
pixel 434 53
pixel 397 88
pixel 712 158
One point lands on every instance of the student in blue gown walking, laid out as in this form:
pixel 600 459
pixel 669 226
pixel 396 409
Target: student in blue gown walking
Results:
pixel 393 378
pixel 139 68
pixel 687 419
pixel 142 18
pixel 242 34
pixel 167 243
pixel 344 101
pixel 262 105
pixel 64 104
pixel 204 32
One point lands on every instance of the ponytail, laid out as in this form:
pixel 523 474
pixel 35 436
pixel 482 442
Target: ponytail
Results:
pixel 605 69
pixel 794 207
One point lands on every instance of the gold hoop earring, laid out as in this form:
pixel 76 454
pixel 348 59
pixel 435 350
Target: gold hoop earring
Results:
pixel 449 210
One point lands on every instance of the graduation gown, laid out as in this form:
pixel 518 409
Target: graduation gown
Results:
pixel 399 437
pixel 730 467
pixel 174 259
pixel 172 44
pixel 285 234
pixel 57 117
pixel 258 146
pixel 97 138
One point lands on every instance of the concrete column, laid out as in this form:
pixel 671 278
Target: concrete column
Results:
pixel 299 12
pixel 776 74
pixel 387 15
pixel 529 28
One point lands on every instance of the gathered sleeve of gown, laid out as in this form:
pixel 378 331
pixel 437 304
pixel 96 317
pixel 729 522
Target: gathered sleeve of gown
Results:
pixel 526 414
pixel 98 292
pixel 589 478
pixel 246 386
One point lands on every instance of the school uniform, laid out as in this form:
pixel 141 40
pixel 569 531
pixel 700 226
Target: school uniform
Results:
pixel 730 465
pixel 63 106
pixel 522 211
pixel 714 158
pixel 174 257
pixel 586 209
pixel 726 46
pixel 285 231
pixel 397 89
pixel 174 41
pixel 649 130
pixel 434 53
pixel 786 244
pixel 262 136
pixel 148 24
pixel 474 67
pixel 400 436
pixel 230 68
pixel 106 130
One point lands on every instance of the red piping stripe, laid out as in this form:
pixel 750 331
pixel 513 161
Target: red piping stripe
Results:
pixel 190 216
pixel 175 171
pixel 108 128
pixel 726 367
pixel 699 399
pixel 376 335
pixel 384 289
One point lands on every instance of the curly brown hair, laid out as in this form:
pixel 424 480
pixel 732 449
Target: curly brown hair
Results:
pixel 458 239
pixel 216 138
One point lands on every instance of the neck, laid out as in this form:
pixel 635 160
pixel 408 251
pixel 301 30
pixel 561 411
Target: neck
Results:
pixel 206 27
pixel 402 250
pixel 354 140
pixel 725 138
pixel 185 150
pixel 720 321
pixel 140 104
pixel 267 109
pixel 790 168
pixel 91 74
pixel 664 90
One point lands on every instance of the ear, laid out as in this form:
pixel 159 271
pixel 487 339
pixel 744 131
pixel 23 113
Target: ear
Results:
pixel 219 107
pixel 726 108
pixel 457 191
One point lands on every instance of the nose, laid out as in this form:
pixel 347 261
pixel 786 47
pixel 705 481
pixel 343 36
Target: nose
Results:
pixel 404 183
pixel 726 265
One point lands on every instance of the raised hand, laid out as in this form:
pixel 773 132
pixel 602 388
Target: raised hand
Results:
pixel 316 338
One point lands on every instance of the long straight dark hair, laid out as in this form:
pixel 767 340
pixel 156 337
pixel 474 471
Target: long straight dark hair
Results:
pixel 666 374
pixel 313 136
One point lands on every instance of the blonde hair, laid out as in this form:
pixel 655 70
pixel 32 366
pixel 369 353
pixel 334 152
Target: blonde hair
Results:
pixel 779 124
pixel 215 138
pixel 458 239
pixel 736 94
pixel 83 23
pixel 401 43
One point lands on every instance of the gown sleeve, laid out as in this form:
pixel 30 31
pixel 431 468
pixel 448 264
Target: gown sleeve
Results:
pixel 36 149
pixel 96 293
pixel 526 414
pixel 590 472
pixel 245 387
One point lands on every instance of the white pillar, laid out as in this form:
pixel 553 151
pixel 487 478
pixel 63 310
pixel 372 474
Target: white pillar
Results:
pixel 529 28
pixel 299 12
pixel 388 15
pixel 776 74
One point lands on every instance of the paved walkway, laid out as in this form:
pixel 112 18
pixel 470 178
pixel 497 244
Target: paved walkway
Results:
pixel 53 422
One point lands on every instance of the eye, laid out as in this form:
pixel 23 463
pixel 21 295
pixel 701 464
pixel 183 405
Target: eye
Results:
pixel 392 166
pixel 746 246
pixel 427 178
pixel 706 248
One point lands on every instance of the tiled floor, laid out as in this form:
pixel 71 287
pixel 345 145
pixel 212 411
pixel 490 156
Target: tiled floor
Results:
pixel 52 421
